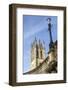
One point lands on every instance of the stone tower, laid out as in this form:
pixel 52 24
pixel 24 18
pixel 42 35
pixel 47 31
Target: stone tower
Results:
pixel 37 53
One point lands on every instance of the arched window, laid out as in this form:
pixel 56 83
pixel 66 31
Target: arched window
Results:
pixel 37 54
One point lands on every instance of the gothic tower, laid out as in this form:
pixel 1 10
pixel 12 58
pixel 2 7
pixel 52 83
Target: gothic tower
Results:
pixel 37 53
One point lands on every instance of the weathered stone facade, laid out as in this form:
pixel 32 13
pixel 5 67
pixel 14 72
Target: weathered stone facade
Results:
pixel 40 64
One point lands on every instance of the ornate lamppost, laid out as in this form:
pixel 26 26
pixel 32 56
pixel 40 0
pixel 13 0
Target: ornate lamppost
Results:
pixel 50 33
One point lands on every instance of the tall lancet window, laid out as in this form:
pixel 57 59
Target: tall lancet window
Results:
pixel 37 54
pixel 41 54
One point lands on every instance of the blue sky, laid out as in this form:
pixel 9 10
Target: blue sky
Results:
pixel 37 26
